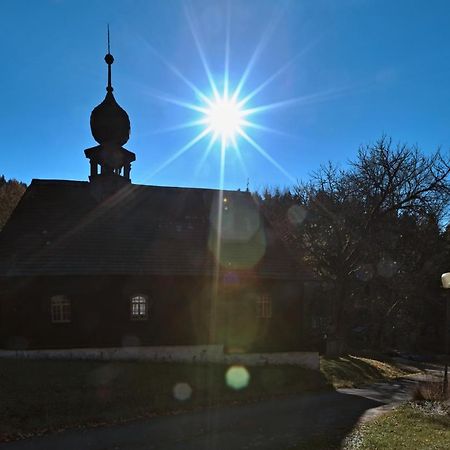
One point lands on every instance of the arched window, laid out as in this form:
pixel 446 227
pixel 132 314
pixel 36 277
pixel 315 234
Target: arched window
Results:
pixel 60 309
pixel 139 307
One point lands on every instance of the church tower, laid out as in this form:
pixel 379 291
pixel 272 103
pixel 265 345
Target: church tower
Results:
pixel 110 126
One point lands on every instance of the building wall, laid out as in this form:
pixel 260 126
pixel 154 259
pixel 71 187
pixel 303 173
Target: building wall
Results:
pixel 182 311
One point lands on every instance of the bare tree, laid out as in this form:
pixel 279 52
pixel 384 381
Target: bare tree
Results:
pixel 352 227
pixel 401 178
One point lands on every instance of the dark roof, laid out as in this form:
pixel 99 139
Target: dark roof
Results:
pixel 60 228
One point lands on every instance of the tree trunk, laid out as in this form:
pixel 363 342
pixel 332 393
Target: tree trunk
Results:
pixel 336 341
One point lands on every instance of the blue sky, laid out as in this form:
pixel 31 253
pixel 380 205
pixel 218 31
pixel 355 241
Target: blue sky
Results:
pixel 359 69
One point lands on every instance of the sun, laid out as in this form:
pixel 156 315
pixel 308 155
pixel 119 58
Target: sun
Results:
pixel 224 117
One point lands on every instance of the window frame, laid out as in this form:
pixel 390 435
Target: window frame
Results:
pixel 60 309
pixel 264 306
pixel 138 317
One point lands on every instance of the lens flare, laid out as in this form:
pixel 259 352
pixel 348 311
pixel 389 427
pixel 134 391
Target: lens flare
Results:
pixel 237 377
pixel 182 391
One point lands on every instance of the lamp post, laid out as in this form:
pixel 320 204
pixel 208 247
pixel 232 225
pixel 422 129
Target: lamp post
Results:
pixel 445 278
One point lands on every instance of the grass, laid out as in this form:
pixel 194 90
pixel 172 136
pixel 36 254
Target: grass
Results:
pixel 351 371
pixel 418 426
pixel 414 426
pixel 46 396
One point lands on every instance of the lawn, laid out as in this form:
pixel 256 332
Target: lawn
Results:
pixel 44 396
pixel 351 371
pixel 414 426
pixel 418 426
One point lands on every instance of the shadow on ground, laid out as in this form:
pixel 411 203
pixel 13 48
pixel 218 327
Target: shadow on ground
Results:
pixel 279 423
pixel 395 391
pixel 46 396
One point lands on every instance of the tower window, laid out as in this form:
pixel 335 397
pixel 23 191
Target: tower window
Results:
pixel 264 307
pixel 60 309
pixel 139 307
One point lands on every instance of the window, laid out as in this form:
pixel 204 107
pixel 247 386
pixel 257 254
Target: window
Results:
pixel 60 309
pixel 139 307
pixel 264 307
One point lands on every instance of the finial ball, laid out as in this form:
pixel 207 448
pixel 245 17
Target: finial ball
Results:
pixel 109 59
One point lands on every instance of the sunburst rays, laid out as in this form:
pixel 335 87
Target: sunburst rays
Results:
pixel 225 116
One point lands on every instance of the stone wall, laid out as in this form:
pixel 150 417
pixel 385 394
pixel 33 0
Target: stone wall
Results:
pixel 191 354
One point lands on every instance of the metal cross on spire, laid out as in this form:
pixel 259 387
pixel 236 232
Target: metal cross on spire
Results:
pixel 109 51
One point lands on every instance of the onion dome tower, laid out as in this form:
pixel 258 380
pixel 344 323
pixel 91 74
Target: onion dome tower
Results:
pixel 110 127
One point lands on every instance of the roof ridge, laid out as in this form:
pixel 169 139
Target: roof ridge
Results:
pixel 35 181
pixel 40 181
pixel 190 188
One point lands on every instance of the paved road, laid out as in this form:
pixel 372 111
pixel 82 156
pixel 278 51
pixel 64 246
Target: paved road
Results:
pixel 271 424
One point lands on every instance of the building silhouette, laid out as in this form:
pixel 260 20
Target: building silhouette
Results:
pixel 106 262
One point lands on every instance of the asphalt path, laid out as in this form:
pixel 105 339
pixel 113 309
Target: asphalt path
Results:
pixel 274 424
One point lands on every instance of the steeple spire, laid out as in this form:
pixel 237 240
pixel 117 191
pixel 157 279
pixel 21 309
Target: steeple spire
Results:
pixel 110 127
pixel 109 59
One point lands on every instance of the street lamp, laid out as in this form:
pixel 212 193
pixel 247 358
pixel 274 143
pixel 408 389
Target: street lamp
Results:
pixel 445 279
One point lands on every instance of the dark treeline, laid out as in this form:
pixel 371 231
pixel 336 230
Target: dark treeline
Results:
pixel 10 193
pixel 375 235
